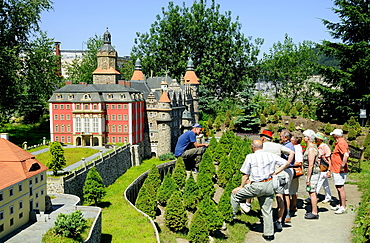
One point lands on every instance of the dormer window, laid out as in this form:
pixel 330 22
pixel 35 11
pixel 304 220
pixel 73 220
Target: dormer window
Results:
pixel 70 97
pixel 59 96
pixel 109 96
pixel 123 96
pixel 86 97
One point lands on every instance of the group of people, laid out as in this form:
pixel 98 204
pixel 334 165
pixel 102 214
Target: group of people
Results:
pixel 273 169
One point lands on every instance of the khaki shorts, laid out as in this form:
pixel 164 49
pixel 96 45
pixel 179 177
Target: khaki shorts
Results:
pixel 289 178
pixel 339 178
pixel 314 180
pixel 294 186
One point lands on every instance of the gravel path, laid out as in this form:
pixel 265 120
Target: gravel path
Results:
pixel 329 227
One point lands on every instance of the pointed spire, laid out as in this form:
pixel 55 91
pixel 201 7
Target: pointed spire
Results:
pixel 138 64
pixel 190 76
pixel 164 98
pixel 107 37
pixel 190 66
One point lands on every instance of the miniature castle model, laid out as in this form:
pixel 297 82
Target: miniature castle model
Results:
pixel 151 112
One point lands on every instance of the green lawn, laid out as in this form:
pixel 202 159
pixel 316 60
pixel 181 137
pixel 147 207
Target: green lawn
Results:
pixel 72 155
pixel 121 222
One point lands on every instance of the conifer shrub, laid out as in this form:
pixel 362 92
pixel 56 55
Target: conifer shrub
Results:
pixel 70 225
pixel 179 173
pixel 147 197
pixel 328 128
pixel 221 150
pixel 263 120
pixel 175 215
pixel 224 205
pixel 225 171
pixel 212 145
pixel 293 112
pixel 291 127
pixel 217 123
pixel 191 194
pixel 352 134
pixel 205 184
pixel 146 200
pixel 271 127
pixel 206 165
pixel 345 128
pixel 167 156
pixel 198 230
pixel 94 189
pixel 166 189
pixel 213 216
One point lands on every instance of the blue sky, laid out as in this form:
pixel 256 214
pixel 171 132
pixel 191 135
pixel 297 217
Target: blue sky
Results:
pixel 73 22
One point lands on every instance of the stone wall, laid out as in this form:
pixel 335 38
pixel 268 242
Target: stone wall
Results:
pixel 110 167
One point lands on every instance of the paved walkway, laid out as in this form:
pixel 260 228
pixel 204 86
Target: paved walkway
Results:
pixel 32 232
pixel 329 227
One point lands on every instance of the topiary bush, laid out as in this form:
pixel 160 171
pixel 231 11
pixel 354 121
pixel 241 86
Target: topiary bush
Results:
pixel 166 189
pixel 167 156
pixel 199 229
pixel 191 194
pixel 94 189
pixel 175 215
pixel 179 173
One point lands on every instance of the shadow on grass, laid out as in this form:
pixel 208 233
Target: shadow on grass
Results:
pixel 106 238
pixel 104 204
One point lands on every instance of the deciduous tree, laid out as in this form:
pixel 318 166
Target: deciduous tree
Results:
pixel 57 161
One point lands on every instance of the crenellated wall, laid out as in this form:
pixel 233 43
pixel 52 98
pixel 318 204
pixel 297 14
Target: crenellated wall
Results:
pixel 110 167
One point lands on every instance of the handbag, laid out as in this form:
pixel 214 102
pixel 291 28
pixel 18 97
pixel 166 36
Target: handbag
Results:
pixel 324 165
pixel 297 170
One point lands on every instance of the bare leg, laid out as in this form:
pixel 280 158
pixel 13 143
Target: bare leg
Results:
pixel 313 196
pixel 341 195
pixel 281 207
pixel 293 205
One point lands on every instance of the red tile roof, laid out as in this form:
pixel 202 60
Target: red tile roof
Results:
pixel 16 164
pixel 138 75
pixel 164 98
pixel 191 78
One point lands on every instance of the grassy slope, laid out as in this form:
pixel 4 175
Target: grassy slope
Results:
pixel 121 222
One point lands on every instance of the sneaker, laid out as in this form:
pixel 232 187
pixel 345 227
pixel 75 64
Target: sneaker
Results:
pixel 311 216
pixel 195 171
pixel 341 210
pixel 308 200
pixel 335 208
pixel 245 207
pixel 287 219
pixel 279 225
pixel 327 201
pixel 268 237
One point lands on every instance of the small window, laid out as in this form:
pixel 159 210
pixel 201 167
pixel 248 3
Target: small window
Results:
pixel 62 117
pixel 1 228
pixel 70 97
pixel 1 196
pixel 125 118
pixel 11 209
pixel 37 205
pixel 119 107
pixel 1 215
pixel 62 107
pixel 68 107
pixel 95 107
pixel 59 96
pixel 68 117
pixel 37 195
pixel 113 107
pixel 36 179
pixel 120 139
pixel 20 205
pixel 20 188
pixel 21 215
pixel 42 192
pixel 10 192
pixel 125 107
pixel 31 182
pixel 86 107
pixel 107 107
pixel 55 107
pixel 123 96
pixel 109 96
pixel 77 106
pixel 113 117
pixel 41 177
pixel 56 139
pixel 11 221
pixel 56 117
pixel 119 117
pixel 150 125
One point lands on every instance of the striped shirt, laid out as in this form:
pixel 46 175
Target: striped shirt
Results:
pixel 260 165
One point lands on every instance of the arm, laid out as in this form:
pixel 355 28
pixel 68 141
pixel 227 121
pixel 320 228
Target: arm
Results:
pixel 197 145
pixel 242 184
pixel 344 161
pixel 311 161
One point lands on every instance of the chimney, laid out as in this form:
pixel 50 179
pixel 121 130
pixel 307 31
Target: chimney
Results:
pixel 59 56
pixel 4 135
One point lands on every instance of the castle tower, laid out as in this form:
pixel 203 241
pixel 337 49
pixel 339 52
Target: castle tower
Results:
pixel 106 72
pixel 138 74
pixel 191 83
pixel 164 123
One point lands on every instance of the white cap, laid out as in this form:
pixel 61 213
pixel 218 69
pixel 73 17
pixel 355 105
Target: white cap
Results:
pixel 337 132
